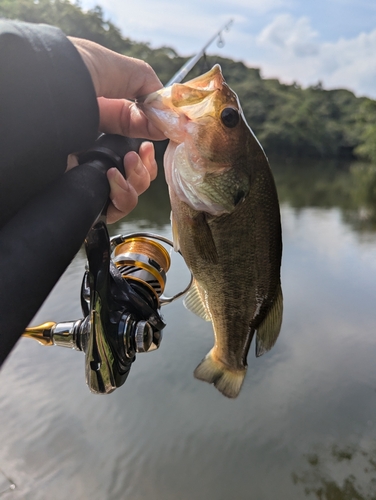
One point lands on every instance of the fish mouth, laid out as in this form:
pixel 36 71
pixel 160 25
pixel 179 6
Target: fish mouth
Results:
pixel 212 80
pixel 189 93
pixel 181 99
pixel 172 108
pixel 158 110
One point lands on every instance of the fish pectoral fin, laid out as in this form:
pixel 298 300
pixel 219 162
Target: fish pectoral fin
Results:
pixel 211 370
pixel 195 301
pixel 203 239
pixel 268 331
pixel 175 233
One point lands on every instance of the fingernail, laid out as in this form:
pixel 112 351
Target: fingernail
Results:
pixel 134 162
pixel 115 176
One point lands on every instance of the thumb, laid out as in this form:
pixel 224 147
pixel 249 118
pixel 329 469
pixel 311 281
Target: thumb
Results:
pixel 115 75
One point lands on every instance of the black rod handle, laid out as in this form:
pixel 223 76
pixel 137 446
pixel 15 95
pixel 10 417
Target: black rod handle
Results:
pixel 38 244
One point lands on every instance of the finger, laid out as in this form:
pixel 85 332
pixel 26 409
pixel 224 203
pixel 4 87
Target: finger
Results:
pixel 127 77
pixel 115 75
pixel 113 214
pixel 136 172
pixel 72 161
pixel 123 196
pixel 133 77
pixel 147 155
pixel 119 116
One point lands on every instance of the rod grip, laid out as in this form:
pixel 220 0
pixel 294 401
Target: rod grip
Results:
pixel 38 244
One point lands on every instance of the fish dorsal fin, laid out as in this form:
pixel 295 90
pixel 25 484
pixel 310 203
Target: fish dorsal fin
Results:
pixel 268 331
pixel 203 239
pixel 195 301
pixel 175 233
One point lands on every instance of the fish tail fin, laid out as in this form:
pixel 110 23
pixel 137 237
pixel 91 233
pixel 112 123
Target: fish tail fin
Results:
pixel 213 371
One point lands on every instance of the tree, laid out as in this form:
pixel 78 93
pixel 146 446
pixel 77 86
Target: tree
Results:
pixel 287 119
pixel 367 125
pixel 70 18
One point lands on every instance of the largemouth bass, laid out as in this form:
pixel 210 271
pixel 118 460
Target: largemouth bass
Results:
pixel 225 221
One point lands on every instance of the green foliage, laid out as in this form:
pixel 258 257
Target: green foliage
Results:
pixel 367 127
pixel 70 18
pixel 364 186
pixel 287 119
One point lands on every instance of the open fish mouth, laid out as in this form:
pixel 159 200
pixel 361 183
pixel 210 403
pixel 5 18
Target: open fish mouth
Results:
pixel 174 106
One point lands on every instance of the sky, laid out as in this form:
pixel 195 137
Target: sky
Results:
pixel 302 41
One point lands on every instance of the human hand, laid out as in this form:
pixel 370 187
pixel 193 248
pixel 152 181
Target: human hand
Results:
pixel 140 169
pixel 117 80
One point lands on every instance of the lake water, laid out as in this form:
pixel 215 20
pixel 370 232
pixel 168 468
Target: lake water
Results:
pixel 304 424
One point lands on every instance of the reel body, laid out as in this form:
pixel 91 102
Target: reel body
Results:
pixel 121 296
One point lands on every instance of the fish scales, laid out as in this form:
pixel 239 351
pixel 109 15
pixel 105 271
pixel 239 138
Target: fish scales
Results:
pixel 239 294
pixel 226 222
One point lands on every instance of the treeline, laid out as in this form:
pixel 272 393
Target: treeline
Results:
pixel 287 119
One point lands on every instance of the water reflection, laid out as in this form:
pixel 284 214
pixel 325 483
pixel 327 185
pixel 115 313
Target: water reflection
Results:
pixel 339 473
pixel 304 425
pixel 351 187
pixel 363 180
pixel 153 208
pixel 326 184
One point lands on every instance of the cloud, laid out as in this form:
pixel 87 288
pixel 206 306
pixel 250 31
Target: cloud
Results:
pixel 259 6
pixel 182 25
pixel 177 24
pixel 289 47
pixel 352 61
pixel 293 52
pixel 295 36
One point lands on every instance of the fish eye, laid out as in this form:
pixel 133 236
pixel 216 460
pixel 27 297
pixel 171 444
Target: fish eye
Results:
pixel 230 117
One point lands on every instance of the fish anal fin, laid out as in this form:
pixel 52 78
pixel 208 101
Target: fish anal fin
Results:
pixel 268 331
pixel 195 301
pixel 203 239
pixel 213 371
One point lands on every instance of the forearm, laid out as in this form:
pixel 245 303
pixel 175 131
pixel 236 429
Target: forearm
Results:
pixel 48 109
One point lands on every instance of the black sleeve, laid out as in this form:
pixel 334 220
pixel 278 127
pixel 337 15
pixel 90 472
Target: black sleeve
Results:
pixel 48 109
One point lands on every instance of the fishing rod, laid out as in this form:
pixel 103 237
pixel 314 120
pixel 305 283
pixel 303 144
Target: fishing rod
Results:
pixel 186 68
pixel 123 285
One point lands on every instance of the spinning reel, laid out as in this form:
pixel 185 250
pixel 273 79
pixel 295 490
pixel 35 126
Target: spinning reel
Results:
pixel 121 296
pixel 121 292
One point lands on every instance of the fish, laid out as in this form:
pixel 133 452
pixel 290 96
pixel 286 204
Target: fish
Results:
pixel 225 221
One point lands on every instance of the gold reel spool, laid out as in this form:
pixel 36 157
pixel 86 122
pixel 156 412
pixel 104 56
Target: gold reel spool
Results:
pixel 141 258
